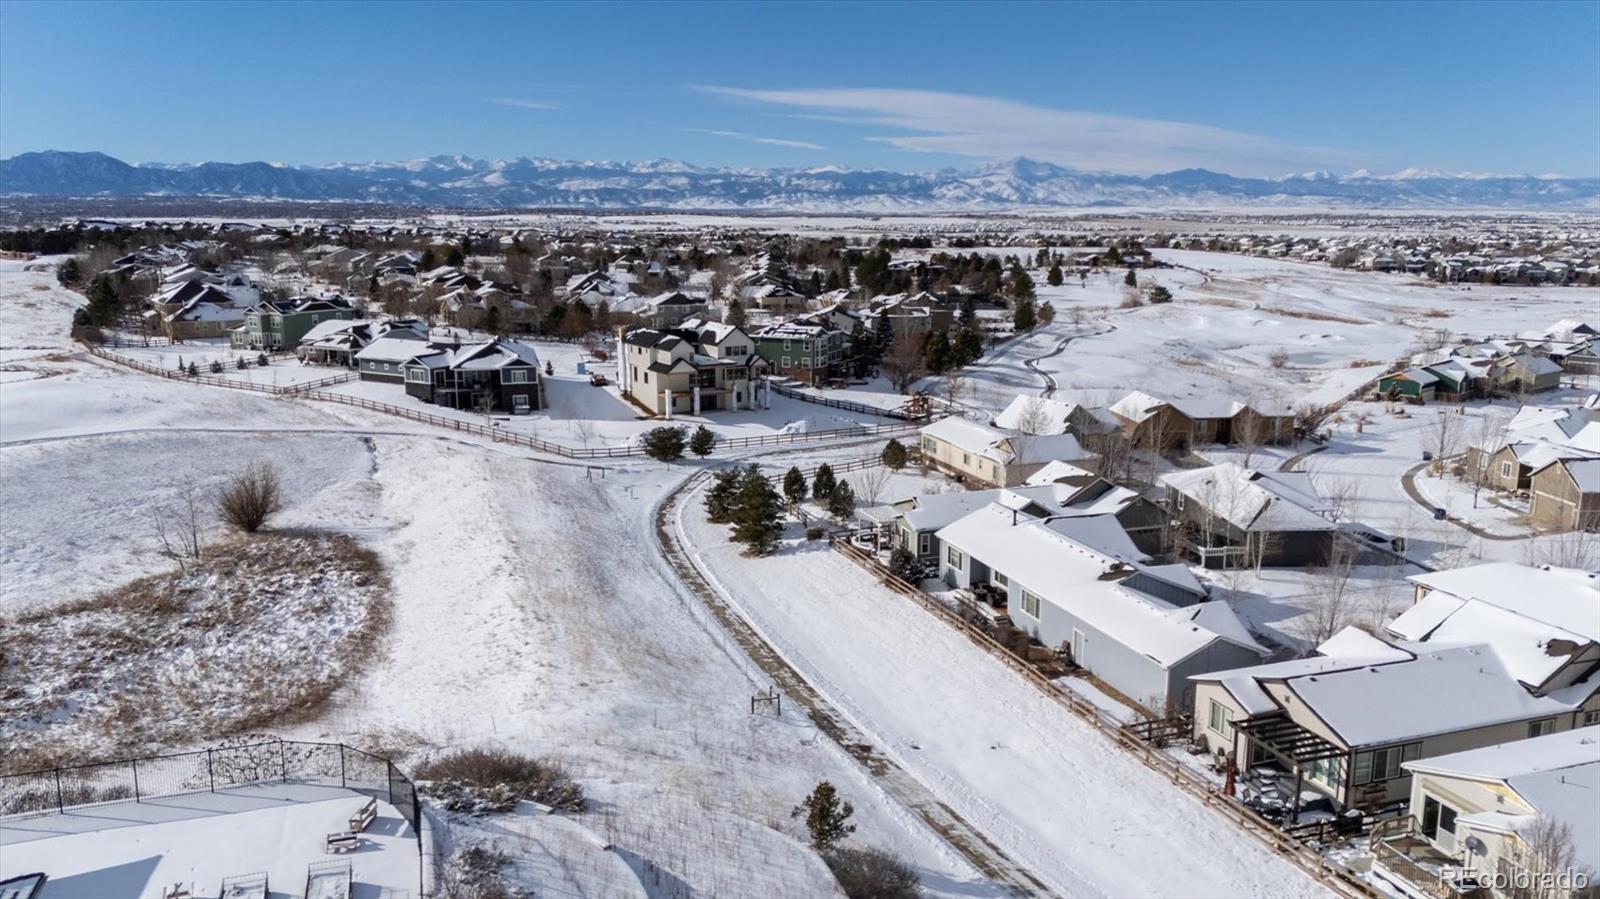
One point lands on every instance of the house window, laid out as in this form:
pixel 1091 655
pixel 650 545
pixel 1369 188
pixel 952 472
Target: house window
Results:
pixel 1377 765
pixel 1505 469
pixel 417 375
pixel 965 460
pixel 1541 727
pixel 514 376
pixel 1436 818
pixel 924 544
pixel 1000 579
pixel 785 361
pixel 1591 718
pixel 1030 604
pixel 954 557
pixel 1220 719
pixel 927 444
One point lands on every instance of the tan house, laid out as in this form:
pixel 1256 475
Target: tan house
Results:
pixel 980 455
pixel 1489 654
pixel 1564 495
pixel 1169 424
pixel 699 367
pixel 1481 821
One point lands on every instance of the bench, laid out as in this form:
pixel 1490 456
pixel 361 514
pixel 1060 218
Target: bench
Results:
pixel 177 891
pixel 343 841
pixel 364 816
pixel 245 886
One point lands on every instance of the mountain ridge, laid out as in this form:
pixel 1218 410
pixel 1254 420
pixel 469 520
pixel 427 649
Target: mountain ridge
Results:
pixel 524 182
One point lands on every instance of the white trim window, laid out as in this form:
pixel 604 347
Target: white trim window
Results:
pixel 1030 603
pixel 1220 719
pixel 418 375
pixel 515 376
pixel 1541 727
pixel 999 578
pixel 1377 765
pixel 924 544
pixel 955 557
pixel 1505 469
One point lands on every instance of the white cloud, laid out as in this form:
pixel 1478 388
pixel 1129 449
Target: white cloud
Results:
pixel 995 128
pixel 774 141
pixel 521 103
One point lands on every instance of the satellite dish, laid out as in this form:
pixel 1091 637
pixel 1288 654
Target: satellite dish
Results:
pixel 1476 845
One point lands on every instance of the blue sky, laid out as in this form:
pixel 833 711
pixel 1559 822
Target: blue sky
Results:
pixel 1250 89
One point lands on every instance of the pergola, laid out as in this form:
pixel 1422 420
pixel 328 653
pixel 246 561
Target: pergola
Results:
pixel 1292 745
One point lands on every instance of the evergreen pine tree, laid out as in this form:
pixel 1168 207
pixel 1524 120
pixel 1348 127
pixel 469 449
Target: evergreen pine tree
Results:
pixel 968 318
pixel 827 817
pixel 1132 280
pixel 1023 317
pixel 429 261
pixel 1054 277
pixel 70 272
pixel 104 304
pixel 720 495
pixel 455 259
pixel 822 483
pixel 894 455
pixel 664 444
pixel 735 314
pixel 968 347
pixel 757 513
pixel 842 501
pixel 702 441
pixel 1021 283
pixel 937 354
pixel 794 486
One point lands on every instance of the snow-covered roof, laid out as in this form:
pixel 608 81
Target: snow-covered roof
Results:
pixel 1046 558
pixel 388 349
pixel 1557 775
pixel 1005 447
pixel 1056 471
pixel 1567 598
pixel 1254 500
pixel 1046 416
pixel 1137 406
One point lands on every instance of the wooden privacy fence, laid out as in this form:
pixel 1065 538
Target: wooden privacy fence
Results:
pixel 499 435
pixel 1335 876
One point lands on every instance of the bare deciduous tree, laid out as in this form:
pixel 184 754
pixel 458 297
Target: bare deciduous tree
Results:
pixel 1488 437
pixel 1332 603
pixel 1546 847
pixel 179 529
pixel 1444 436
pixel 905 362
pixel 1568 549
pixel 252 497
pixel 870 483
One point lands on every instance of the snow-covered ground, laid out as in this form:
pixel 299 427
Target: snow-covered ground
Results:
pixel 1074 808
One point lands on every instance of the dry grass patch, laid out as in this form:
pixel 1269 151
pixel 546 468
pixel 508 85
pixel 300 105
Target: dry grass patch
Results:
pixel 257 632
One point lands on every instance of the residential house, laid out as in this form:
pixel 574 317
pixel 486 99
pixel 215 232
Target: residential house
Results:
pixel 499 375
pixel 1417 384
pixel 670 309
pixel 1169 424
pixel 1564 494
pixel 1535 437
pixel 282 324
pixel 1078 585
pixel 697 367
pixel 1230 516
pixel 1488 654
pixel 805 349
pixel 1483 821
pixel 336 342
pixel 1042 415
pixel 384 357
pixel 982 455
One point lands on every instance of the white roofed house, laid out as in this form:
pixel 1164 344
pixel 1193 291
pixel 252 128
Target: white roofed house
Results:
pixel 1518 819
pixel 1040 415
pixel 1231 516
pixel 336 342
pixel 1078 585
pixel 670 309
pixel 699 366
pixel 499 375
pixel 1489 654
pixel 986 456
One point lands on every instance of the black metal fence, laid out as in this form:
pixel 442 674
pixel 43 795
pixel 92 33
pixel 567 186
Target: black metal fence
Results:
pixel 59 790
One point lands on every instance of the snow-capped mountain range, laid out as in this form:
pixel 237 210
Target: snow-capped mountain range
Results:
pixel 459 181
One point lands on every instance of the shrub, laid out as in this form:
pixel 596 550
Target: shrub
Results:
pixel 216 367
pixel 1159 295
pixel 814 532
pixel 872 874
pixel 664 444
pixel 702 442
pixel 494 780
pixel 1278 358
pixel 842 501
pixel 904 565
pixel 261 360
pixel 894 455
pixel 253 496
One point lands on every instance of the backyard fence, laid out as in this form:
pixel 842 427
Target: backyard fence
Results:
pixel 901 412
pixel 1337 877
pixel 499 435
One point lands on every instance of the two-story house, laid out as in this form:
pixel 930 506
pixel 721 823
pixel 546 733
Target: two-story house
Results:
pixel 699 366
pixel 807 349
